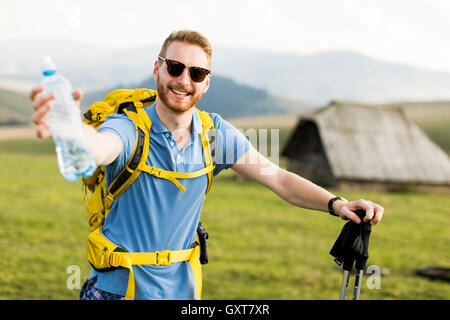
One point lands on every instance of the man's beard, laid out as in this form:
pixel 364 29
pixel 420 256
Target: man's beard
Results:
pixel 163 94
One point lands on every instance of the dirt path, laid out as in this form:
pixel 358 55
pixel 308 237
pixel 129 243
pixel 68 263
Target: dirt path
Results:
pixel 9 133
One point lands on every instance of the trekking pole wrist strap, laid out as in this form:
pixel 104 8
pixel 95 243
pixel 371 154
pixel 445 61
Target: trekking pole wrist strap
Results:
pixel 330 205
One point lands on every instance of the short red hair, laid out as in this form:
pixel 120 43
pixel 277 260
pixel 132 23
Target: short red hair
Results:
pixel 190 37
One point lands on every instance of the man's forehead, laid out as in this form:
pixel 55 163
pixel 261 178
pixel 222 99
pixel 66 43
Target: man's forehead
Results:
pixel 189 54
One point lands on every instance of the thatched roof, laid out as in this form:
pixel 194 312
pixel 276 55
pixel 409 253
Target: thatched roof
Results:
pixel 376 143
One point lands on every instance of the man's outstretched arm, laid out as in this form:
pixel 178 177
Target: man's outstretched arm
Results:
pixel 299 191
pixel 104 146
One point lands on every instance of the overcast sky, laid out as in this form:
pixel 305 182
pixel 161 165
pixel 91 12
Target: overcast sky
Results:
pixel 414 32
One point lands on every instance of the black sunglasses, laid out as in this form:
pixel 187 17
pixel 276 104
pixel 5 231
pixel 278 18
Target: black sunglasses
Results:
pixel 175 68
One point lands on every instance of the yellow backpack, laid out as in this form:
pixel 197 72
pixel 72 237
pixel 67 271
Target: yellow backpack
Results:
pixel 102 254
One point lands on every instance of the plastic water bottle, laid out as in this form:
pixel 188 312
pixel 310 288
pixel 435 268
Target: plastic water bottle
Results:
pixel 64 121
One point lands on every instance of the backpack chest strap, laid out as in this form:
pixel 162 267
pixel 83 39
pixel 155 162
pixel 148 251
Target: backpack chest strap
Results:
pixel 173 176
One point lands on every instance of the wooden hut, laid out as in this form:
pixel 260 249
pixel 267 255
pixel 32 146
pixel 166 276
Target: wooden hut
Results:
pixel 347 144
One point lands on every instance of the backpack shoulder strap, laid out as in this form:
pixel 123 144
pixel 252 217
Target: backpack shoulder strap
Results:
pixel 131 171
pixel 208 144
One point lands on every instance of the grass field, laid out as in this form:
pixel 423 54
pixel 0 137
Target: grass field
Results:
pixel 260 247
pixel 438 130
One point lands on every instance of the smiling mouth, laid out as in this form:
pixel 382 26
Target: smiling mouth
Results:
pixel 180 93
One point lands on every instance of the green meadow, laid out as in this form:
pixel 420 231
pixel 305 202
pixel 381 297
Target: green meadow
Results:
pixel 260 247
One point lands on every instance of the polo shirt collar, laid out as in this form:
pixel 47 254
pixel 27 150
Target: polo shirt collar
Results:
pixel 158 127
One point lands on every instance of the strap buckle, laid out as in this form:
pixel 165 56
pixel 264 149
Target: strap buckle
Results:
pixel 115 259
pixel 109 201
pixel 163 258
pixel 155 172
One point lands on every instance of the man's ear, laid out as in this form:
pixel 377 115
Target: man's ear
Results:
pixel 207 83
pixel 155 71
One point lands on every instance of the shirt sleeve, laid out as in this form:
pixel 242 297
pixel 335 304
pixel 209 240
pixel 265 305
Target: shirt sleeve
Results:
pixel 230 145
pixel 123 127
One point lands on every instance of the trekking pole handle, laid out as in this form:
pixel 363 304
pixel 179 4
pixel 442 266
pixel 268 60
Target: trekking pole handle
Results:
pixel 360 213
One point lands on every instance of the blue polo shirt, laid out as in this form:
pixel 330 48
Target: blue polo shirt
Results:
pixel 153 214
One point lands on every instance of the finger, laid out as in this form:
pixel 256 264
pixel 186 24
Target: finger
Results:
pixel 366 206
pixel 378 214
pixel 43 131
pixel 347 213
pixel 35 91
pixel 77 95
pixel 42 100
pixel 40 113
pixel 369 214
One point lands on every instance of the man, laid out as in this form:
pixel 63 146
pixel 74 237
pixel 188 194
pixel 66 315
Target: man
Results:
pixel 153 214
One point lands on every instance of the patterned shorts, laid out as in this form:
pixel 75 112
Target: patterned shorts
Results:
pixel 90 292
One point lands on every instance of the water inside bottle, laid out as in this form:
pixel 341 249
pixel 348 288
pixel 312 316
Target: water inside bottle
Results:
pixel 74 161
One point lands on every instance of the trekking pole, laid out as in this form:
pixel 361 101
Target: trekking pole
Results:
pixel 344 286
pixel 361 258
pixel 352 244
pixel 347 267
pixel 357 288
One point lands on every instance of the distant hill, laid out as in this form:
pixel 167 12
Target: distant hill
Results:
pixel 225 97
pixel 324 76
pixel 15 108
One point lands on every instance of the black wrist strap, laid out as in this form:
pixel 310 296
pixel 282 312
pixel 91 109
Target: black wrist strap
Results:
pixel 330 206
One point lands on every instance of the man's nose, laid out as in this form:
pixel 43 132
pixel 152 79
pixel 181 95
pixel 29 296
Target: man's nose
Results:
pixel 184 78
